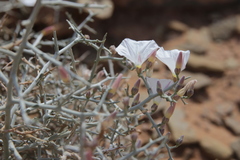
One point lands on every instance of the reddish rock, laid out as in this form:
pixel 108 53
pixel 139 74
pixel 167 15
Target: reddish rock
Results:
pixel 179 126
pixel 236 148
pixel 215 149
pixel 233 125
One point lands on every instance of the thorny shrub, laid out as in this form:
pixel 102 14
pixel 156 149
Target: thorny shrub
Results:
pixel 53 107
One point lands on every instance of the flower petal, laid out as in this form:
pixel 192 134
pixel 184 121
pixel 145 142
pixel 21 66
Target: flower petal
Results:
pixel 136 51
pixel 170 57
pixel 153 85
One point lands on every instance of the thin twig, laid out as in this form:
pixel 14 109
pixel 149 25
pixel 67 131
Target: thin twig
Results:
pixel 73 5
pixel 142 148
pixel 13 74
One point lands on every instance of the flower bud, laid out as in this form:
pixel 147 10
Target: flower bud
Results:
pixel 149 65
pixel 159 88
pixel 188 86
pixel 174 78
pixel 164 121
pixel 154 107
pixel 179 63
pixel 100 75
pixel 149 72
pixel 180 84
pixel 95 89
pixel 181 92
pixel 177 71
pixel 139 69
pixel 161 130
pixel 112 49
pixel 134 136
pixel 110 94
pixel 151 59
pixel 136 87
pixel 190 92
pixel 136 100
pixel 48 30
pixel 115 86
pixel 65 77
pixel 88 155
pixel 138 143
pixel 88 94
pixel 179 141
pixel 125 101
pixel 170 110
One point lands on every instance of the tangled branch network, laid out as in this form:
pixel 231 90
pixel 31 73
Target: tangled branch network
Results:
pixel 53 106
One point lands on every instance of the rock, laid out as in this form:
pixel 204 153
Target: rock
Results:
pixel 202 79
pixel 224 109
pixel 178 26
pixel 223 29
pixel 231 63
pixel 202 63
pixel 214 148
pixel 213 118
pixel 179 126
pixel 188 41
pixel 104 13
pixel 236 148
pixel 200 44
pixel 232 124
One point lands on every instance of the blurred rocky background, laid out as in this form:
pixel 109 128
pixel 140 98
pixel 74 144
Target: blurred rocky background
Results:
pixel 210 29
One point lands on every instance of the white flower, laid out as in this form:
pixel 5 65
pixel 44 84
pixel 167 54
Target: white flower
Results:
pixel 170 58
pixel 137 51
pixel 153 85
pixel 29 3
